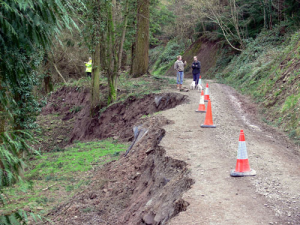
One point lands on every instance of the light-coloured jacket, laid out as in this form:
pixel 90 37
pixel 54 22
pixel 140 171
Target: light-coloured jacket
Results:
pixel 179 65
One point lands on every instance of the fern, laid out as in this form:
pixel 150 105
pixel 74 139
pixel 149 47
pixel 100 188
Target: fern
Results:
pixel 27 28
pixel 15 218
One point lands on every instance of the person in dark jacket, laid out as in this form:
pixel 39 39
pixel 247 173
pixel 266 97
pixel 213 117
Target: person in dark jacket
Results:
pixel 196 66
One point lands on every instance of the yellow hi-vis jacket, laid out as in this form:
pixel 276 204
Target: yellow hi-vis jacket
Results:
pixel 89 67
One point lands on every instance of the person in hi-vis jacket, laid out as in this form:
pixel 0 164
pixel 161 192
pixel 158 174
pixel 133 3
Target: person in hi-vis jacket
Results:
pixel 89 67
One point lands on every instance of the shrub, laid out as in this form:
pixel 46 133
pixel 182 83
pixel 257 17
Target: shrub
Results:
pixel 168 56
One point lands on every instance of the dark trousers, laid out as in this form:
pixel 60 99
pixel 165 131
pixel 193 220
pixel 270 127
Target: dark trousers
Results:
pixel 196 78
pixel 88 74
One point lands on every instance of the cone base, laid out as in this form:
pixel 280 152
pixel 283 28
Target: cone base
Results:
pixel 233 173
pixel 199 111
pixel 208 126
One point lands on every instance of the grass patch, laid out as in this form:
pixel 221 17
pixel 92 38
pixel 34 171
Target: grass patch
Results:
pixel 54 177
pixel 78 158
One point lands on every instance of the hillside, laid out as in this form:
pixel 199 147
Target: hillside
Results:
pixel 269 71
pixel 165 57
pixel 207 53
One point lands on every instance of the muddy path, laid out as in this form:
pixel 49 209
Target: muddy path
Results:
pixel 271 197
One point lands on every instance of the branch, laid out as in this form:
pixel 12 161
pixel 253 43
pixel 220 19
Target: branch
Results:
pixel 45 189
pixel 59 73
pixel 220 22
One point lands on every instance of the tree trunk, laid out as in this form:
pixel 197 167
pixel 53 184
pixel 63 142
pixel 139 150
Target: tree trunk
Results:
pixel 270 15
pixel 265 14
pixel 235 17
pixel 132 57
pixel 2 117
pixel 141 57
pixel 279 10
pixel 112 62
pixel 95 97
pixel 123 35
pixel 112 88
pixel 124 60
pixel 132 50
pixel 102 50
pixel 48 83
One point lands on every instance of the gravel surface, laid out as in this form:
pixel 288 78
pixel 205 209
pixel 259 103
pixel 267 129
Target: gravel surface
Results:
pixel 271 197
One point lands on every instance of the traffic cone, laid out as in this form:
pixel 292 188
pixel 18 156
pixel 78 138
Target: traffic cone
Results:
pixel 208 123
pixel 199 87
pixel 206 96
pixel 201 107
pixel 242 165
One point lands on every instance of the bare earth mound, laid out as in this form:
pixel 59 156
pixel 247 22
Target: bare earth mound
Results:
pixel 116 121
pixel 145 187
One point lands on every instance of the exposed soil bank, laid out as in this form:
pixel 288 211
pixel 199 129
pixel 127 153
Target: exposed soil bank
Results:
pixel 144 187
pixel 207 53
pixel 116 121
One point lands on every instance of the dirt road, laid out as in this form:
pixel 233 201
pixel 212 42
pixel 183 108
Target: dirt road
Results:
pixel 271 197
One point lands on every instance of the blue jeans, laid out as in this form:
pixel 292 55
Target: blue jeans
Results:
pixel 180 76
pixel 196 78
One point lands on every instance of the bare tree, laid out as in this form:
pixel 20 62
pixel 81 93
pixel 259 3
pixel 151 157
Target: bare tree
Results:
pixel 213 10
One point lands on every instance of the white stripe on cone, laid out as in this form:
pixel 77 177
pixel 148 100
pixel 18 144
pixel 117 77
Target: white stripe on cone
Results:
pixel 242 150
pixel 201 100
pixel 206 91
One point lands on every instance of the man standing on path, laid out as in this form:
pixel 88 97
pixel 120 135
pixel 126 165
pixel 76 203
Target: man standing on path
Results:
pixel 196 70
pixel 89 67
pixel 179 67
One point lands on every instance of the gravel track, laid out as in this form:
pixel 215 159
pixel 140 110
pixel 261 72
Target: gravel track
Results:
pixel 271 197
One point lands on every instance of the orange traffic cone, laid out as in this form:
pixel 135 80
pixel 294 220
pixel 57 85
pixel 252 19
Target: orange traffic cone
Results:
pixel 242 165
pixel 208 123
pixel 201 107
pixel 206 96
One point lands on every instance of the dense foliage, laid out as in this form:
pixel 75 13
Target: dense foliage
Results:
pixel 268 71
pixel 27 28
pixel 165 57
